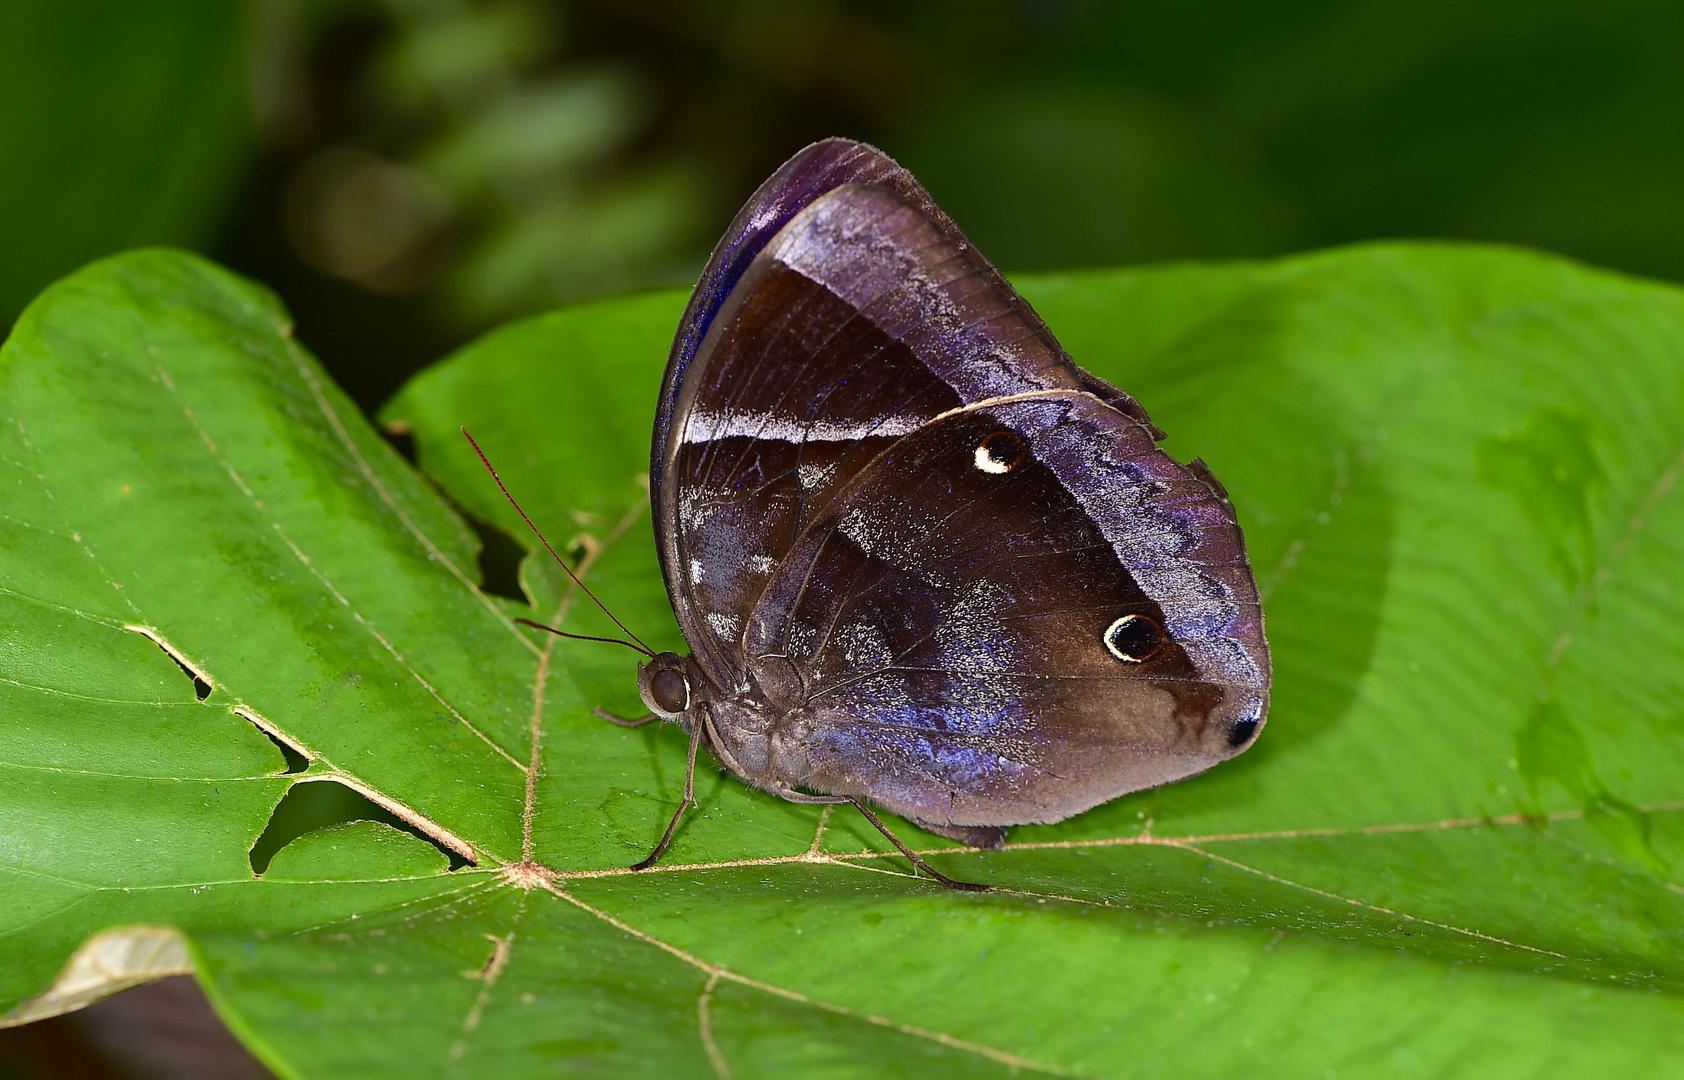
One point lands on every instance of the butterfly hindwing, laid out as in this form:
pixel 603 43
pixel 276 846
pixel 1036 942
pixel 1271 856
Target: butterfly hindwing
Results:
pixel 945 620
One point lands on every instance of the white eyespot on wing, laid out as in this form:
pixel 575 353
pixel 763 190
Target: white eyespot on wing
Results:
pixel 985 461
pixel 762 564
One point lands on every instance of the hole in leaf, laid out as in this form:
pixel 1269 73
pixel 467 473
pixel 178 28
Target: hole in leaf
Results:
pixel 499 553
pixel 402 437
pixel 316 804
pixel 499 561
pixel 202 685
pixel 296 760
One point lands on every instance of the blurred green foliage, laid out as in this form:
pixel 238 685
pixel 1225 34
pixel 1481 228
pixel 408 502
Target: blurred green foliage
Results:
pixel 1301 123
pixel 482 169
pixel 122 124
pixel 407 172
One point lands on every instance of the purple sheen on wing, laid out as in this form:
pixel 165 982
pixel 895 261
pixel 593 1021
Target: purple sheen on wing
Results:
pixel 818 169
pixel 878 251
pixel 905 759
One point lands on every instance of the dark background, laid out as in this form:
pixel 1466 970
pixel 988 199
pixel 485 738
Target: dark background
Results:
pixel 408 173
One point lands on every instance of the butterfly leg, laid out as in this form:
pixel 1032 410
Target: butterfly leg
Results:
pixel 918 862
pixel 637 721
pixel 801 798
pixel 688 801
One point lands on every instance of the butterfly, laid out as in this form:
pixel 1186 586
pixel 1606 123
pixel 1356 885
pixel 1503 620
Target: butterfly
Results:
pixel 923 562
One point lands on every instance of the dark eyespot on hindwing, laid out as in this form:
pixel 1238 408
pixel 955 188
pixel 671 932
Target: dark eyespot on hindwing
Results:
pixel 1134 638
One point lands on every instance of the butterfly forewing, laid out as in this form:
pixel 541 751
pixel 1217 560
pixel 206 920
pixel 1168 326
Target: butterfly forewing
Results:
pixel 857 323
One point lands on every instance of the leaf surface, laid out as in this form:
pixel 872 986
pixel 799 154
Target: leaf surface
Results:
pixel 1455 850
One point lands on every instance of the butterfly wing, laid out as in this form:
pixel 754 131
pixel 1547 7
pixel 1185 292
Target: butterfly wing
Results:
pixel 842 311
pixel 939 633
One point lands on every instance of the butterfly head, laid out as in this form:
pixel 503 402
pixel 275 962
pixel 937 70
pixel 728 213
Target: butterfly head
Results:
pixel 665 684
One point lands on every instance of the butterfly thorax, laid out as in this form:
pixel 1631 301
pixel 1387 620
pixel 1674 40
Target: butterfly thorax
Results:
pixel 755 737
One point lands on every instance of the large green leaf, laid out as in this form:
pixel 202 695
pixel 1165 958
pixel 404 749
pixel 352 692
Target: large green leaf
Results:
pixel 1454 852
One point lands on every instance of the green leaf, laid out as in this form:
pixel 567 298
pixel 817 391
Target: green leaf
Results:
pixel 1455 850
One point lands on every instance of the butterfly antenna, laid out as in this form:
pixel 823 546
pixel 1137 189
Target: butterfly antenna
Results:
pixel 640 646
pixel 582 637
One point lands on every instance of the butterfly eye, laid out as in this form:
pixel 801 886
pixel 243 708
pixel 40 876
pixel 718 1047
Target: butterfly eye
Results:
pixel 1134 639
pixel 1001 452
pixel 671 690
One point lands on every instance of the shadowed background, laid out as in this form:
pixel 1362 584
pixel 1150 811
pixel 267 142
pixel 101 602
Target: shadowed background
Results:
pixel 408 173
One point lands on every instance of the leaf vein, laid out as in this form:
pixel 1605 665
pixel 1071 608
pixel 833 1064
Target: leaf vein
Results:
pixel 340 432
pixel 1003 1057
